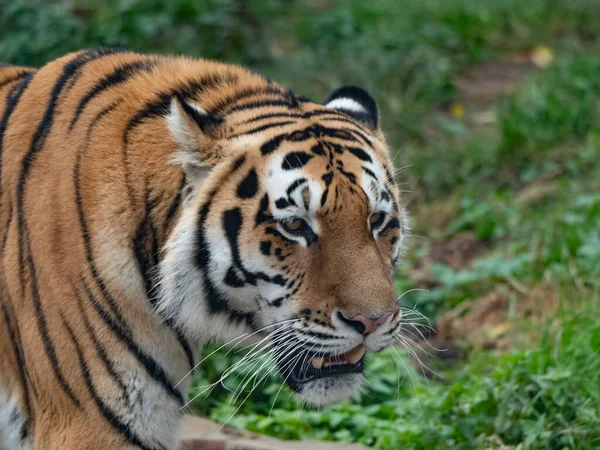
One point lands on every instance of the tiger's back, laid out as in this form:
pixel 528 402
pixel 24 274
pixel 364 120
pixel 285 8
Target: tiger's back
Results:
pixel 92 205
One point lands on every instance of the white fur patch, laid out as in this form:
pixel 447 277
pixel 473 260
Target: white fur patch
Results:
pixel 347 104
pixel 11 422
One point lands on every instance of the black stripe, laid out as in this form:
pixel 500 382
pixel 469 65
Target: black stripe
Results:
pixel 17 348
pixel 262 104
pixel 273 144
pixel 22 353
pixel 239 162
pixel 152 367
pixel 231 279
pixel 277 302
pixel 185 345
pixel 317 334
pixel 262 215
pixel 101 350
pixel 120 75
pixel 143 245
pixel 174 205
pixel 390 177
pixel 351 176
pixel 327 179
pixel 295 160
pixel 282 203
pixel 263 128
pixel 156 108
pixel 86 236
pixel 8 222
pixel 40 315
pixel 344 118
pixel 360 154
pixel 106 412
pixel 221 106
pixel 16 77
pixel 248 187
pixel 295 185
pixel 265 248
pixel 277 115
pixel 370 172
pixel 362 135
pixel 12 100
pixel 78 74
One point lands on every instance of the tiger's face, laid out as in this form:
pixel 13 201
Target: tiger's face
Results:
pixel 292 238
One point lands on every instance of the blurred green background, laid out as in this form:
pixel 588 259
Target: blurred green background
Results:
pixel 491 108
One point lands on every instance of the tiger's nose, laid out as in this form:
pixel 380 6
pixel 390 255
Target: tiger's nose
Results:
pixel 363 324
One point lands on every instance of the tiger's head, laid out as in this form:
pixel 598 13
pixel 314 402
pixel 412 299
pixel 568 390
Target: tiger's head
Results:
pixel 290 230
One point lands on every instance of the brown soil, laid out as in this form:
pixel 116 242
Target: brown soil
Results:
pixel 457 252
pixel 493 321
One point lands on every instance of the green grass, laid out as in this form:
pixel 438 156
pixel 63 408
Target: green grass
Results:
pixel 526 184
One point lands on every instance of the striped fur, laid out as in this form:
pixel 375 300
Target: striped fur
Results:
pixel 145 209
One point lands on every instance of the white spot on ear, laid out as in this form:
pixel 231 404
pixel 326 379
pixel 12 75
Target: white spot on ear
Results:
pixel 346 104
pixel 182 128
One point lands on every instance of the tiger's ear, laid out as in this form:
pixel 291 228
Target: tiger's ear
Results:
pixel 196 132
pixel 357 103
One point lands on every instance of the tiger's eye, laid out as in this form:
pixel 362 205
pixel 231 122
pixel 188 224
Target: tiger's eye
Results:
pixel 294 225
pixel 376 219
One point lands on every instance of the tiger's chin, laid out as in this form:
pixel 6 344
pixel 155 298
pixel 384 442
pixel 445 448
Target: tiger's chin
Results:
pixel 328 389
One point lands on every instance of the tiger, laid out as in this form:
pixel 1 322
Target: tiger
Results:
pixel 150 205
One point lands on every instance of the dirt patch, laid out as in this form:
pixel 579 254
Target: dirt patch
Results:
pixel 457 252
pixel 494 321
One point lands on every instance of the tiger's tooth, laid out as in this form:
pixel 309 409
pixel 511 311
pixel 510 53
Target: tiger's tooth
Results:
pixel 354 355
pixel 318 362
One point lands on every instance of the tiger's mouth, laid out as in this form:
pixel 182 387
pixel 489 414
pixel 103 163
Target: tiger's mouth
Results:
pixel 351 357
pixel 299 368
